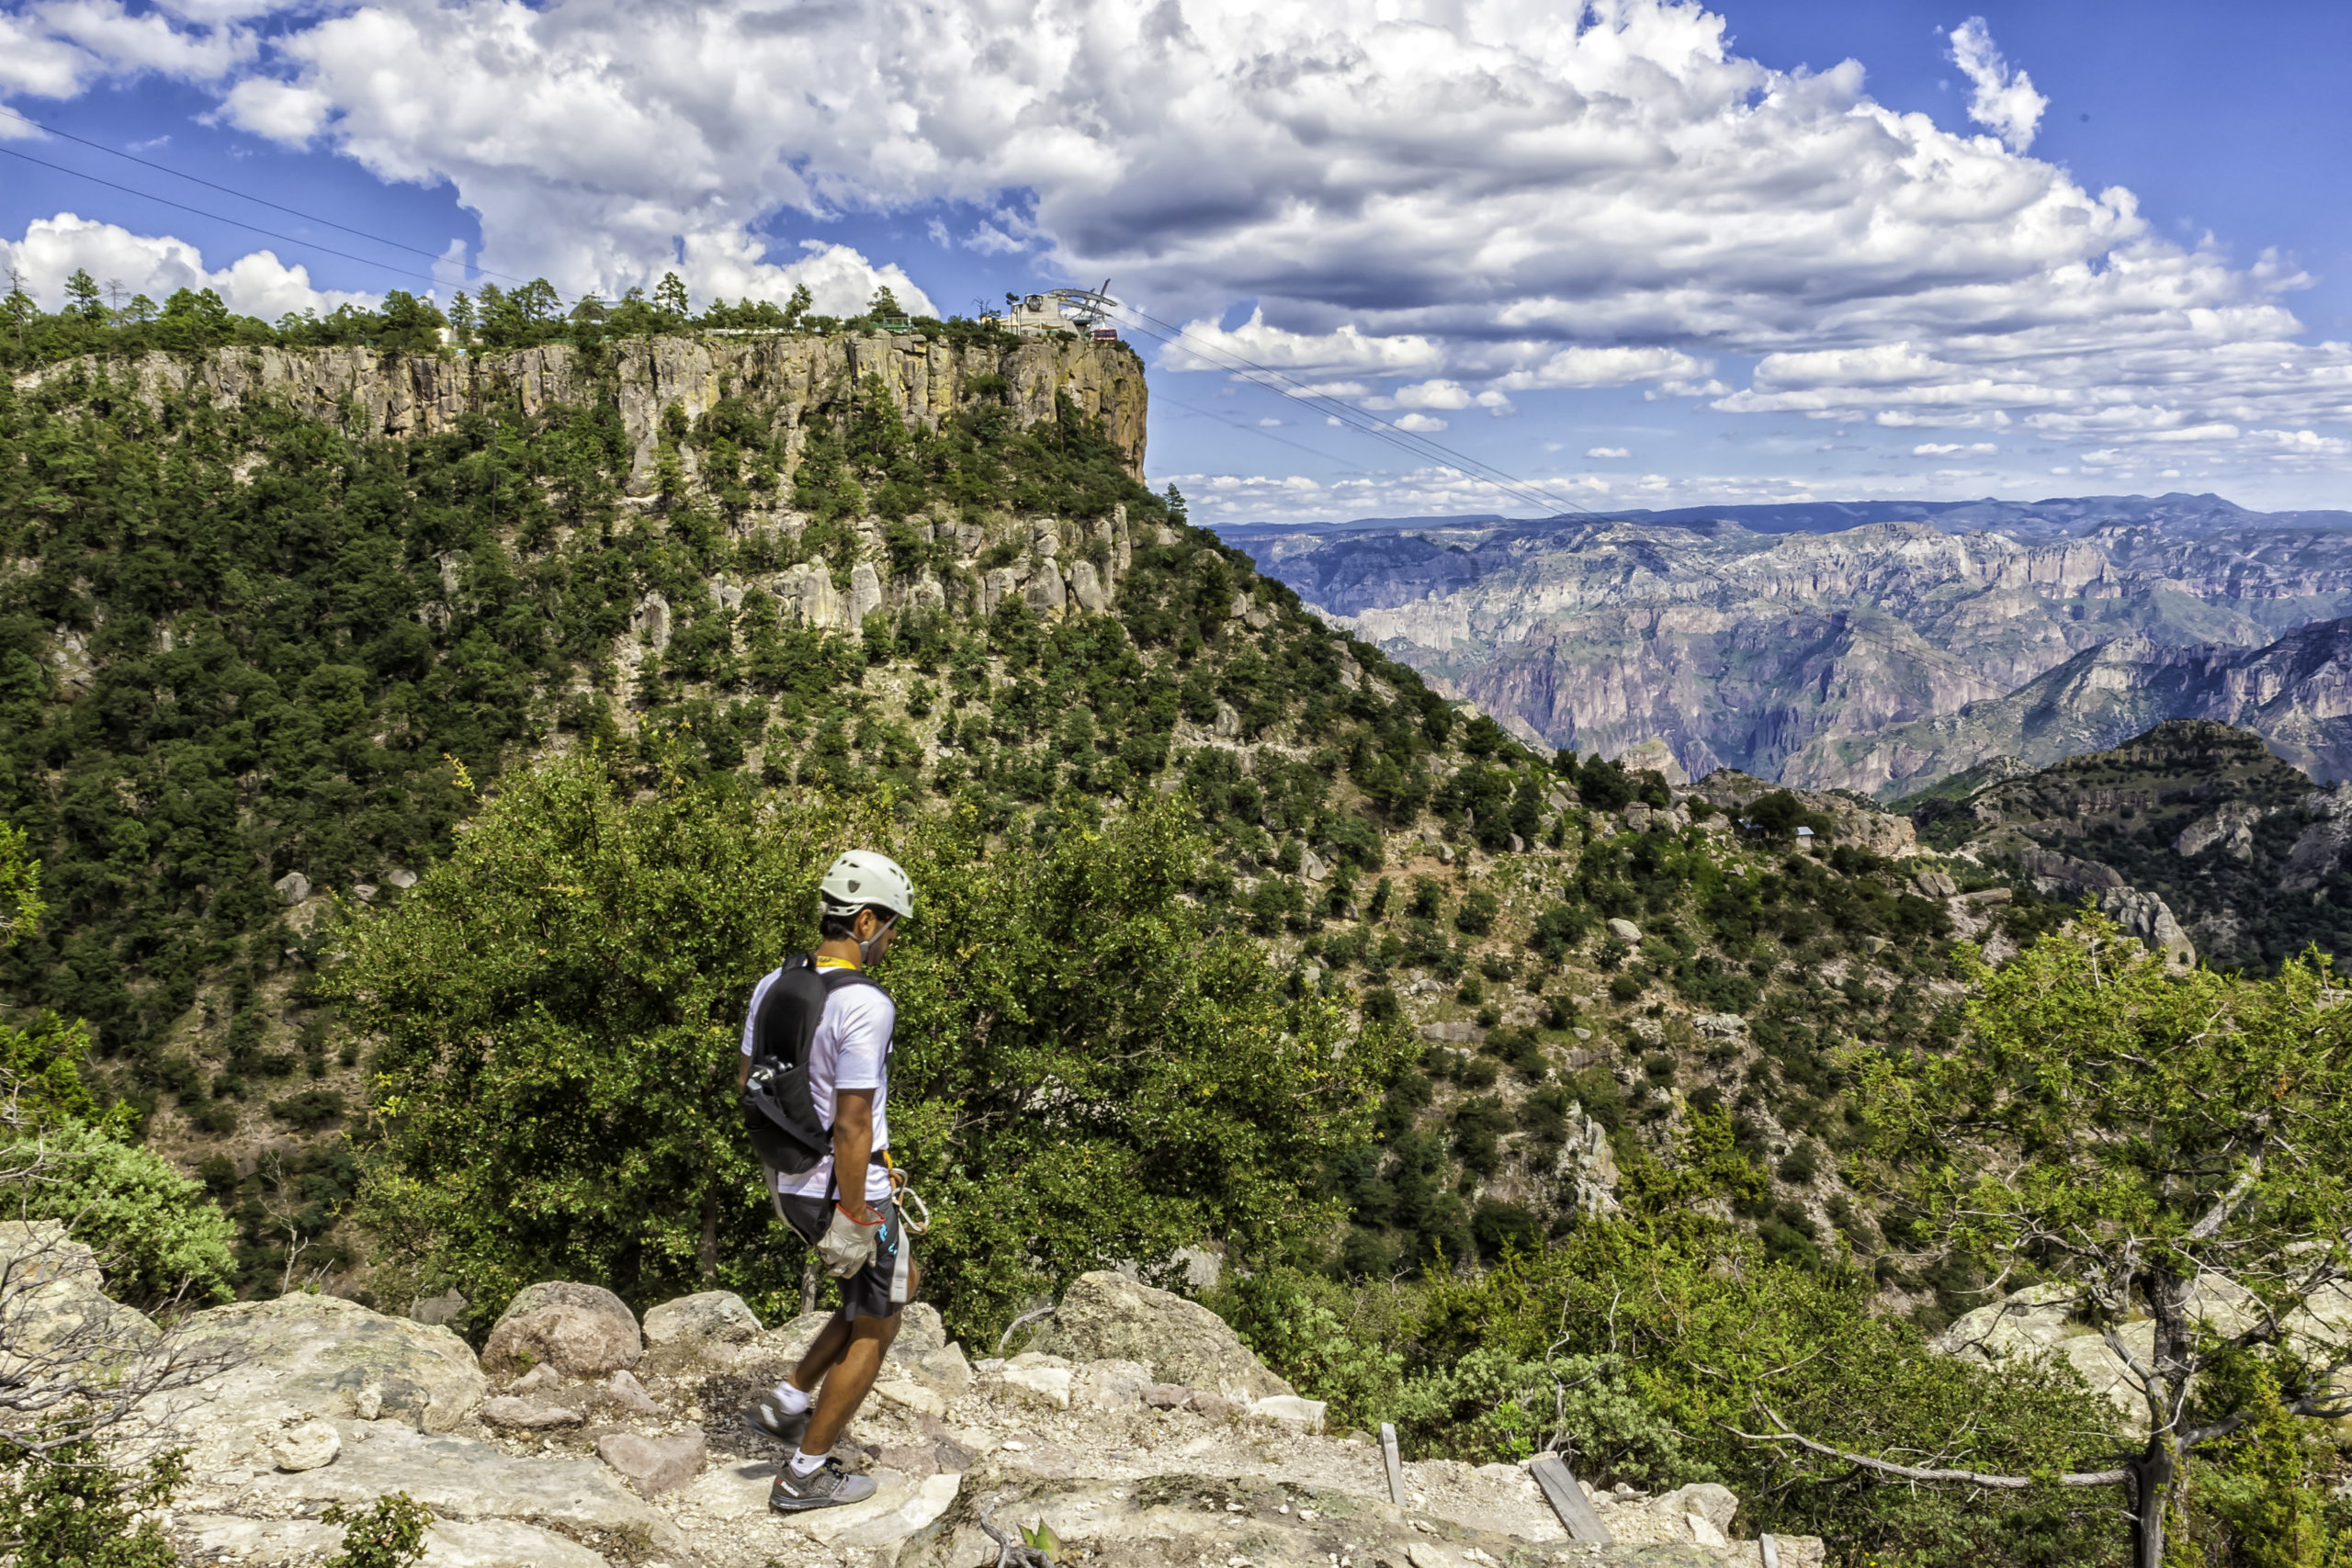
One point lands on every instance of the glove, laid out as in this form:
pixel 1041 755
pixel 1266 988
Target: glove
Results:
pixel 846 1245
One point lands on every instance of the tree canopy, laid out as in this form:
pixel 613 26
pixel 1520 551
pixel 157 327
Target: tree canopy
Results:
pixel 1085 1074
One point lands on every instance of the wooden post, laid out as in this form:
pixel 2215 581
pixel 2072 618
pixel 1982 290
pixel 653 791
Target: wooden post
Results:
pixel 1388 1458
pixel 1568 1501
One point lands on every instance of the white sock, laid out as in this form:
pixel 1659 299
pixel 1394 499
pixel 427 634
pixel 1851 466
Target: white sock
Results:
pixel 794 1403
pixel 806 1465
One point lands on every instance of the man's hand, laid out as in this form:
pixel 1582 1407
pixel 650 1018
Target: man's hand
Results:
pixel 853 1146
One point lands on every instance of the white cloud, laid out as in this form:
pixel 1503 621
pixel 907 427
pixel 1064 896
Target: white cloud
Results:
pixel 2005 105
pixel 1607 452
pixel 1948 449
pixel 1411 195
pixel 1418 424
pixel 255 285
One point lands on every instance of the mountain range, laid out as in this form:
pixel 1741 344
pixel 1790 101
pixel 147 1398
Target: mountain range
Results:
pixel 1878 646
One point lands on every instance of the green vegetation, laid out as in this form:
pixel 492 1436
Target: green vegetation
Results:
pixel 1087 1068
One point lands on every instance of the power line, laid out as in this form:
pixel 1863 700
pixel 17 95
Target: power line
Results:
pixel 241 196
pixel 220 218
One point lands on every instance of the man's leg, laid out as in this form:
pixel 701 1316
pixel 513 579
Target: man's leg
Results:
pixel 849 1379
pixel 823 1352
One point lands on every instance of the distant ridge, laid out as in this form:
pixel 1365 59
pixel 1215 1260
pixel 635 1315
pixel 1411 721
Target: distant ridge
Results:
pixel 2181 515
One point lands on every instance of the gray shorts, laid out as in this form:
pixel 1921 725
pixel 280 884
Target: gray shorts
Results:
pixel 879 1289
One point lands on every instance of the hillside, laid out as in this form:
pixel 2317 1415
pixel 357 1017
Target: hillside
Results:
pixel 2243 848
pixel 276 615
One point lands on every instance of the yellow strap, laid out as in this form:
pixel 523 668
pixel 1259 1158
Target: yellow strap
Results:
pixel 835 963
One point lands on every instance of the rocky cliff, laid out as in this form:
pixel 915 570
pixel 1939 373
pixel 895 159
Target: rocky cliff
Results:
pixel 785 377
pixel 1803 657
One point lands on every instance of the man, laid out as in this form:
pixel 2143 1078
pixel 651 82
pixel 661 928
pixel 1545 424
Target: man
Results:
pixel 843 1205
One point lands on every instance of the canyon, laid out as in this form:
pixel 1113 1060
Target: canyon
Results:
pixel 1849 647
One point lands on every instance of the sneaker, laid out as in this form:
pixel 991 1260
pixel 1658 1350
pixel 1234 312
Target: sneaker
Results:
pixel 827 1486
pixel 770 1419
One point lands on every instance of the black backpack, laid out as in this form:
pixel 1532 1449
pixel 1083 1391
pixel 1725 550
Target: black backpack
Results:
pixel 779 1112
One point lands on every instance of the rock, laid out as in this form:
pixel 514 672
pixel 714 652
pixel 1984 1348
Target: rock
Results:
pixel 1935 885
pixel 1165 1396
pixel 364 892
pixel 1212 1406
pixel 447 1307
pixel 1111 1385
pixel 34 1252
pixel 913 1395
pixel 716 1316
pixel 305 1356
pixel 521 1415
pixel 1106 1316
pixel 864 593
pixel 953 1455
pixel 1656 755
pixel 292 888
pixel 309 1446
pixel 1721 1025
pixel 650 621
pixel 449 1543
pixel 1625 932
pixel 2149 918
pixel 654 1465
pixel 1046 1377
pixel 1291 1410
pixel 459 1478
pixel 630 1393
pixel 401 879
pixel 540 1376
pixel 1985 898
pixel 1229 723
pixel 581 1330
pixel 1707 1501
pixel 1311 867
pixel 1086 588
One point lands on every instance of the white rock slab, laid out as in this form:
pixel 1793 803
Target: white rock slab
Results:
pixel 449 1543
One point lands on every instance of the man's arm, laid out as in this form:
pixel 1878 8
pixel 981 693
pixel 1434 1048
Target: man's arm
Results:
pixel 853 1146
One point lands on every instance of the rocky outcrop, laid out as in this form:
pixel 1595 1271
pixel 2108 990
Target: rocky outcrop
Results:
pixel 1121 1461
pixel 1851 822
pixel 786 376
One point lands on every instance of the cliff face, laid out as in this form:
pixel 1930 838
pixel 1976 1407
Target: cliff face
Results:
pixel 1844 659
pixel 787 377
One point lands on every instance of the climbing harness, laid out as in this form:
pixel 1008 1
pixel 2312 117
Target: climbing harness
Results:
pixel 918 1222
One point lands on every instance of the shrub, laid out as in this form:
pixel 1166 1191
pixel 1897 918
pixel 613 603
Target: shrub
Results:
pixel 147 1222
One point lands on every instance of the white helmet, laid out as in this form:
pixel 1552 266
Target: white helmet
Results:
pixel 861 878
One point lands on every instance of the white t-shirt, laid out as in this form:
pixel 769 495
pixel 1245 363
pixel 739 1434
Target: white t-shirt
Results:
pixel 850 1050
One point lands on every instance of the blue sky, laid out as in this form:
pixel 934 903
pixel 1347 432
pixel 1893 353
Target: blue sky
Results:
pixel 1663 257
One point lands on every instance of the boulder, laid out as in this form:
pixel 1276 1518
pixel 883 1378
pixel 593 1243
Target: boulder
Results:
pixel 624 1391
pixel 521 1415
pixel 711 1316
pixel 1111 1385
pixel 1043 1377
pixel 447 1307
pixel 1625 932
pixel 1106 1316
pixel 1291 1410
pixel 655 1465
pixel 583 1331
pixel 292 888
pixel 1721 1025
pixel 304 1356
pixel 309 1446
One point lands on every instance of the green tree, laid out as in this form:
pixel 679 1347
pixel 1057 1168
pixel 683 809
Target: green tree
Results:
pixel 670 298
pixel 20 903
pixel 1085 1070
pixel 2173 1148
pixel 883 303
pixel 82 298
